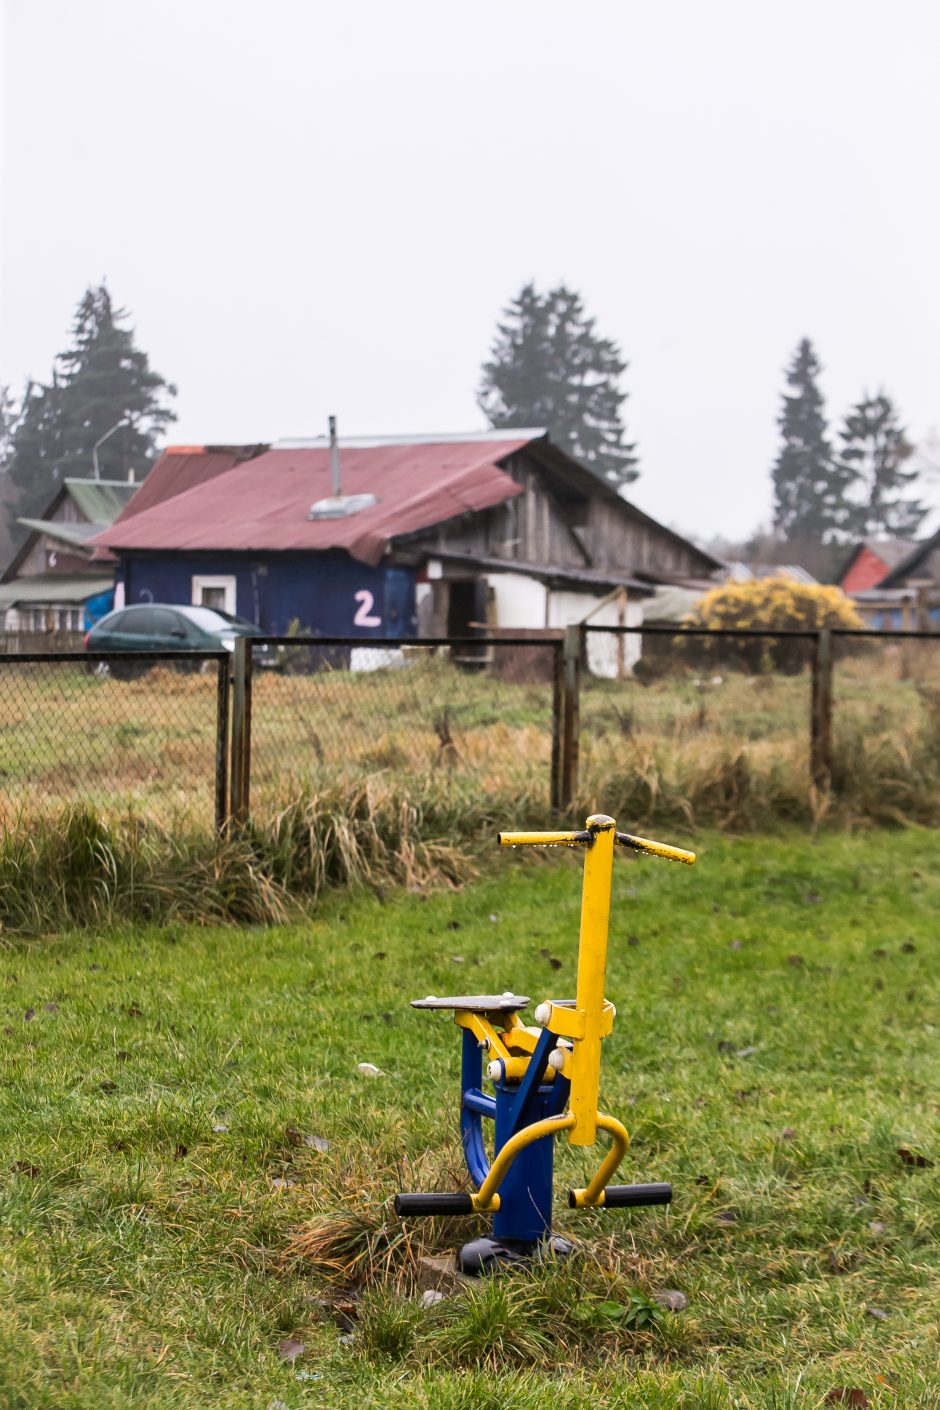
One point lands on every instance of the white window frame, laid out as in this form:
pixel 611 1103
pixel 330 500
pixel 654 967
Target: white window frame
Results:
pixel 223 580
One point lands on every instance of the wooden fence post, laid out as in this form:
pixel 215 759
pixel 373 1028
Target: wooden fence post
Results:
pixel 221 743
pixel 241 729
pixel 571 732
pixel 821 711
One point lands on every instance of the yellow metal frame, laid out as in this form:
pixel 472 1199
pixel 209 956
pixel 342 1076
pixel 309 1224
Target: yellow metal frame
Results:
pixel 585 1024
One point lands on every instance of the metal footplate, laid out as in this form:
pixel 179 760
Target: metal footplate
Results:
pixel 476 1003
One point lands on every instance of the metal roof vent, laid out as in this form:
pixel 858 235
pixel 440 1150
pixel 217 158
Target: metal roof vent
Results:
pixel 339 505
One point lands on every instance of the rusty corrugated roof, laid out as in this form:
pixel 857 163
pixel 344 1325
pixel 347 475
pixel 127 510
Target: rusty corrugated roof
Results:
pixel 263 503
pixel 181 468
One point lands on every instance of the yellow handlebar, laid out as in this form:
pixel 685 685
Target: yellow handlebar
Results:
pixel 544 839
pixel 586 837
pixel 655 849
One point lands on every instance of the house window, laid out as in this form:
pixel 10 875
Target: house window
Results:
pixel 216 591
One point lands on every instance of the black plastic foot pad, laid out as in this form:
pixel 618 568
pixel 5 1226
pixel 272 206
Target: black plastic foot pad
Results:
pixel 433 1204
pixel 630 1196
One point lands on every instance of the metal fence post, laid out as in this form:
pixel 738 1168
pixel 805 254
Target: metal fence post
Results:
pixel 571 731
pixel 558 722
pixel 221 743
pixel 241 729
pixel 821 711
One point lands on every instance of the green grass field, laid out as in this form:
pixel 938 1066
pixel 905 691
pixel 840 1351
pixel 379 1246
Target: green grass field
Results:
pixel 776 1047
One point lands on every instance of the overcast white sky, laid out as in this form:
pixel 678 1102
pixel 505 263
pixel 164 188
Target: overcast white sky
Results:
pixel 313 207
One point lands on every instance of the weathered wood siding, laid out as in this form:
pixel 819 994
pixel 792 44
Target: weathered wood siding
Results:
pixel 552 524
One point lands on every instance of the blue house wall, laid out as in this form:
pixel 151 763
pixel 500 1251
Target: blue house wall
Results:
pixel 330 594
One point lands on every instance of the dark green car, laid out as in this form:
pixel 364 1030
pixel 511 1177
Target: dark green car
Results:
pixel 156 626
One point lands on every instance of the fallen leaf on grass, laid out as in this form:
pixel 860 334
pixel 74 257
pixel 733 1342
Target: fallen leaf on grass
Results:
pixel 746 1052
pixel 914 1158
pixel 876 1227
pixel 369 1069
pixel 290 1348
pixel 279 1183
pixel 879 1314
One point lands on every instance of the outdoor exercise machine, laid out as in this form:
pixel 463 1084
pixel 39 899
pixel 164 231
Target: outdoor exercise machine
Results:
pixel 546 1079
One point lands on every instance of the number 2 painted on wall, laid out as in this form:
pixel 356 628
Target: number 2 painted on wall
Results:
pixel 364 616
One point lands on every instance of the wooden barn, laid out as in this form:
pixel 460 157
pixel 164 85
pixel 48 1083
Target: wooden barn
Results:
pixel 400 536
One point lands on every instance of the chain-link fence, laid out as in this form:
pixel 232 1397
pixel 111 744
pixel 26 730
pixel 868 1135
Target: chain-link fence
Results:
pixel 707 726
pixel 124 734
pixel 886 722
pixel 453 714
pixel 692 718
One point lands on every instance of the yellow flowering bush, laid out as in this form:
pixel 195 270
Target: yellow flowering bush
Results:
pixel 767 604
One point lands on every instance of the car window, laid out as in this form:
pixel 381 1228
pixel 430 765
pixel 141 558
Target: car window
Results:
pixel 207 619
pixel 138 622
pixel 170 624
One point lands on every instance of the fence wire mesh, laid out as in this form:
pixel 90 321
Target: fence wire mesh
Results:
pixel 886 724
pixel 467 717
pixel 689 724
pixel 122 735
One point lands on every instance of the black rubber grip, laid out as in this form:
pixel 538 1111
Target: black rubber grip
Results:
pixel 433 1204
pixel 630 1196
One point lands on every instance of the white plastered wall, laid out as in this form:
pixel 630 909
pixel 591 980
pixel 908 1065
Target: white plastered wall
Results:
pixel 526 603
pixel 520 601
pixel 568 607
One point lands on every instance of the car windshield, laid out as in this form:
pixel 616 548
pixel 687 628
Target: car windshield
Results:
pixel 242 622
pixel 210 620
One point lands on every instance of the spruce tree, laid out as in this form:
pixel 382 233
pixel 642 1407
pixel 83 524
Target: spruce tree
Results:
pixel 549 367
pixel 99 381
pixel 809 486
pixel 873 454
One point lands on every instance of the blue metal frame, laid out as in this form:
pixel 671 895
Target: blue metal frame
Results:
pixel 525 1196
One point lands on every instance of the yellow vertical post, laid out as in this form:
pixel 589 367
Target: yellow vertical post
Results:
pixel 592 972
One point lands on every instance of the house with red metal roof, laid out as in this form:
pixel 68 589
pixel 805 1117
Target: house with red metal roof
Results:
pixel 394 536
